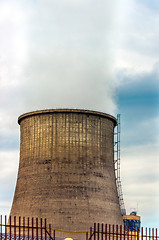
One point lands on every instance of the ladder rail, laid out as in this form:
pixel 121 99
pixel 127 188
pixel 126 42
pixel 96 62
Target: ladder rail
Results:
pixel 117 163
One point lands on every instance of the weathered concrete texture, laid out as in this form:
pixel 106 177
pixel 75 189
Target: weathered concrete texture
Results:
pixel 66 171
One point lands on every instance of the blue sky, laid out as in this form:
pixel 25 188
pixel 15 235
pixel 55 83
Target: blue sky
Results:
pixel 100 55
pixel 138 101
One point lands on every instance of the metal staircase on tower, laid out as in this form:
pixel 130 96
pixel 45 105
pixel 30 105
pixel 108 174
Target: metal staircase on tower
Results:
pixel 117 165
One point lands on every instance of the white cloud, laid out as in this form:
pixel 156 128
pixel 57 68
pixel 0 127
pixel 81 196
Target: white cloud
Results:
pixel 49 48
pixel 69 50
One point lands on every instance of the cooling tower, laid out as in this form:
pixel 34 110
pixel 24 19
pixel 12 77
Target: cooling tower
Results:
pixel 66 170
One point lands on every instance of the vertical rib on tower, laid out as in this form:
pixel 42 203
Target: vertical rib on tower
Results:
pixel 66 170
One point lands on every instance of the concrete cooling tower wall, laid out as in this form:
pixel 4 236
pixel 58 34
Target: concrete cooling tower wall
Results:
pixel 66 170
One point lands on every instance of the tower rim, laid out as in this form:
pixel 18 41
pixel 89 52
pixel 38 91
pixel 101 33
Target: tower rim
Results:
pixel 67 110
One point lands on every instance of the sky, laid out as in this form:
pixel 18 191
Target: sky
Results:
pixel 98 55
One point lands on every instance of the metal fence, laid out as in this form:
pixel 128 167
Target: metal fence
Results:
pixel 116 232
pixel 25 228
pixel 38 229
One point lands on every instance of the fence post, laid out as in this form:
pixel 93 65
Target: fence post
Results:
pixel 5 227
pixel 54 234
pixel 1 227
pixel 109 231
pixel 98 230
pixel 37 234
pixel 41 230
pixel 113 231
pixel 45 228
pixel 15 229
pixel 116 232
pixel 138 233
pixel 142 233
pixel 152 233
pixel 23 227
pixel 102 232
pixel 131 232
pixel 49 231
pixel 90 234
pixel 94 231
pixel 105 231
pixel 32 226
pixel 28 227
pixel 121 231
pixel 19 226
pixel 127 233
pixel 10 230
pixel 124 232
pixel 86 235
